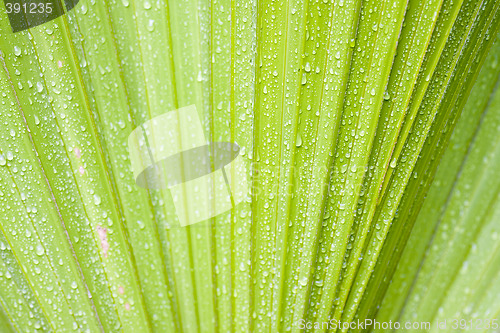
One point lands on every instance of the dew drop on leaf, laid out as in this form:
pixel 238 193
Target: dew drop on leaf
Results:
pixel 394 163
pixel 298 143
pixel 39 250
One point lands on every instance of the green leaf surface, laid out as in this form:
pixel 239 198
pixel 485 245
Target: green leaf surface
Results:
pixel 367 130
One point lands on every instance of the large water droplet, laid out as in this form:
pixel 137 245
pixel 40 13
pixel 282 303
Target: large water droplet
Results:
pixel 303 281
pixel 40 250
pixel 151 25
pixel 298 143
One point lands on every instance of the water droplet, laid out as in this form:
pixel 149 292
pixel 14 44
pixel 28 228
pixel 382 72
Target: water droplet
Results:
pixel 151 25
pixel 298 143
pixel 303 281
pixel 39 250
pixel 141 224
pixel 304 78
pixel 394 163
pixel 3 161
pixel 17 51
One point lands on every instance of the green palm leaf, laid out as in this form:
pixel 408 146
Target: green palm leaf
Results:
pixel 368 131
